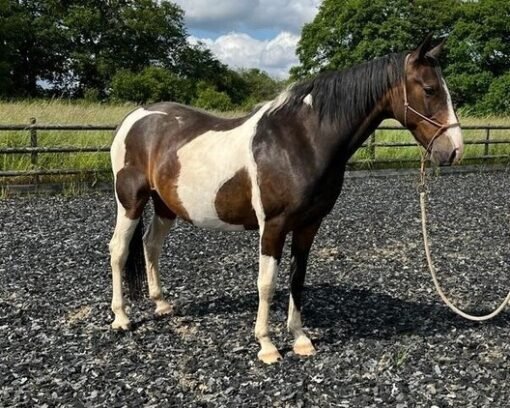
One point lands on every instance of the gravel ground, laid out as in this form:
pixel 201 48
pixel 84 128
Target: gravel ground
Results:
pixel 383 336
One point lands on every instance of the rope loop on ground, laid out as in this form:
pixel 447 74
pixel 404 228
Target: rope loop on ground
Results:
pixel 423 206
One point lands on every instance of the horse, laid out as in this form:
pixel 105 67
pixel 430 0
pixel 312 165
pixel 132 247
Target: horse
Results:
pixel 279 169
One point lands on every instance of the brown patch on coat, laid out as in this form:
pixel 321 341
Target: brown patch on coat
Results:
pixel 133 191
pixel 161 209
pixel 233 201
pixel 151 148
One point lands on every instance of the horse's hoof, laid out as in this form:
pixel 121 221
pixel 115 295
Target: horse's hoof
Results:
pixel 163 308
pixel 269 357
pixel 121 324
pixel 304 348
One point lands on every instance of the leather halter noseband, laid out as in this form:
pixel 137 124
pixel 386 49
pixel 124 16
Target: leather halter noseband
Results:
pixel 441 128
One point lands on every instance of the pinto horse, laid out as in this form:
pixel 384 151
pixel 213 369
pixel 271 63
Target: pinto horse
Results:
pixel 279 170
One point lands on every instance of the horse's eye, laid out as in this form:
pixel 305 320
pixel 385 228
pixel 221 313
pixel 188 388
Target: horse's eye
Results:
pixel 429 91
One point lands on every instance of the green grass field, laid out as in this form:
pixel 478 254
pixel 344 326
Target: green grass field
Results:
pixel 83 113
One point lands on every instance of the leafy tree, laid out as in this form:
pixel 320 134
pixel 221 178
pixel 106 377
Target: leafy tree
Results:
pixel 478 50
pixel 151 85
pixel 346 32
pixel 260 85
pixel 209 98
pixel 497 99
pixel 31 45
pixel 6 50
pixel 121 34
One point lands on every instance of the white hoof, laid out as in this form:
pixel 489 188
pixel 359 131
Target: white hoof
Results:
pixel 121 324
pixel 163 308
pixel 304 347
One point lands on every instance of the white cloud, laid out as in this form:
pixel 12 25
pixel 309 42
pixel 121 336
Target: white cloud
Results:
pixel 245 15
pixel 240 50
pixel 236 26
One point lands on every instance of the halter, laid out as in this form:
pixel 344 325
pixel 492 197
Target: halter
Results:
pixel 422 189
pixel 441 128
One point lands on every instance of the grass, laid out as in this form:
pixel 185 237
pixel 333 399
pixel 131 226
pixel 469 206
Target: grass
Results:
pixel 83 113
pixel 60 112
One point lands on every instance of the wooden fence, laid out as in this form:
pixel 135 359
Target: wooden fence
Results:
pixel 34 149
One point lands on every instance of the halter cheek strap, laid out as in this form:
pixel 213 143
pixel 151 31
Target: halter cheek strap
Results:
pixel 441 128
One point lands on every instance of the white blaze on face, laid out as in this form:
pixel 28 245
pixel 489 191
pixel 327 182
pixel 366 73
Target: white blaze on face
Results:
pixel 208 162
pixel 453 133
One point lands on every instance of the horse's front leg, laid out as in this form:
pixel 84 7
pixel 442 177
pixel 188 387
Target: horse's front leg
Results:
pixel 271 244
pixel 302 240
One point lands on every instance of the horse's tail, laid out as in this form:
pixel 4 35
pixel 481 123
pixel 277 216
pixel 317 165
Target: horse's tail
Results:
pixel 134 271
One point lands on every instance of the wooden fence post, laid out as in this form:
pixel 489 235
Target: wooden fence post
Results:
pixel 487 138
pixel 33 143
pixel 371 146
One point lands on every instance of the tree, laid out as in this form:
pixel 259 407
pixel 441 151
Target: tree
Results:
pixel 210 98
pixel 31 45
pixel 346 32
pixel 153 84
pixel 478 50
pixel 261 86
pixel 106 37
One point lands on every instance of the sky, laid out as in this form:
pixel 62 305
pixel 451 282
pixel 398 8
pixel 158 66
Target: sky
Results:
pixel 250 33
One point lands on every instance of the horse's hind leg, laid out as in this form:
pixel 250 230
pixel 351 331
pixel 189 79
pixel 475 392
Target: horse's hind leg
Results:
pixel 162 222
pixel 132 195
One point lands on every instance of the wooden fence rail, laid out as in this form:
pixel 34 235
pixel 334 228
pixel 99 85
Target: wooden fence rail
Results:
pixel 34 149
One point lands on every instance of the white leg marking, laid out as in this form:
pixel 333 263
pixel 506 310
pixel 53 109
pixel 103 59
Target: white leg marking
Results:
pixel 266 283
pixel 152 245
pixel 119 248
pixel 268 267
pixel 125 227
pixel 207 162
pixel 302 344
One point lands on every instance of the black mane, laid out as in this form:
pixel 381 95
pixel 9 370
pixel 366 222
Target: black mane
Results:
pixel 348 95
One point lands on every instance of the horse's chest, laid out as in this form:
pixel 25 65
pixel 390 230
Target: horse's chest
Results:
pixel 214 183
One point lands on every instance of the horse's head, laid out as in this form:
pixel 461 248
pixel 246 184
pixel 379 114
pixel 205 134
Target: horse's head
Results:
pixel 424 105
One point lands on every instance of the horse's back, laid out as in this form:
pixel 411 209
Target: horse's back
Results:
pixel 196 162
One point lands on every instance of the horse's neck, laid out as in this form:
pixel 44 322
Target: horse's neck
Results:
pixel 343 141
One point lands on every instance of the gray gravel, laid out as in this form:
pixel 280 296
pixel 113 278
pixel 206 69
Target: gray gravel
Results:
pixel 383 336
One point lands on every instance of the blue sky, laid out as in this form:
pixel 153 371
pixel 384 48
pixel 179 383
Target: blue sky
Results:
pixel 250 33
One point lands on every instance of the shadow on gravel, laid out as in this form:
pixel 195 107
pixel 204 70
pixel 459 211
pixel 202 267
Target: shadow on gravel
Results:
pixel 342 312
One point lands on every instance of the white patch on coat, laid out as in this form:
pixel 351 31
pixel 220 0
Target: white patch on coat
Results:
pixel 454 133
pixel 308 100
pixel 118 148
pixel 180 121
pixel 208 162
pixel 119 249
pixel 266 283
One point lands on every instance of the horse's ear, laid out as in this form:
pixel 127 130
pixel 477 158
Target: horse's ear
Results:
pixel 434 52
pixel 423 48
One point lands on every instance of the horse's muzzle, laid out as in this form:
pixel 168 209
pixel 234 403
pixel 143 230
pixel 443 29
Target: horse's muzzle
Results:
pixel 444 152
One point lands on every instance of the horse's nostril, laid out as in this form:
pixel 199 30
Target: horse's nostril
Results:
pixel 452 156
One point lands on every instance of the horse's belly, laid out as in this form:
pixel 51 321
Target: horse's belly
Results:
pixel 214 185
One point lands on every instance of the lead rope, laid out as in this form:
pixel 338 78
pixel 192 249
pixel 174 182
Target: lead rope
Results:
pixel 423 205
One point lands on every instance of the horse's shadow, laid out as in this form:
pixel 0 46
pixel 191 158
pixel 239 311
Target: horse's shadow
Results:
pixel 341 311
